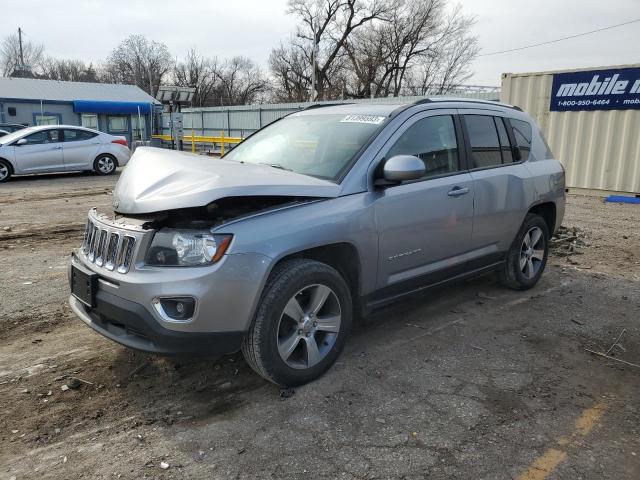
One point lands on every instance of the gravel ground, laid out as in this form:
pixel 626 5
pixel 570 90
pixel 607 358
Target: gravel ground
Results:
pixel 470 381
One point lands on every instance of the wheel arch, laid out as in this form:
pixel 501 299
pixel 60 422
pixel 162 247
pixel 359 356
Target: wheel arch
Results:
pixel 342 256
pixel 12 169
pixel 548 211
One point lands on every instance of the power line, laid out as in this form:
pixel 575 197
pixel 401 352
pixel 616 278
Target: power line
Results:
pixel 561 39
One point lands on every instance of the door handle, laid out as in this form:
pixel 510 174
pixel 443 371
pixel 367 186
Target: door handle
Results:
pixel 458 191
pixel 57 148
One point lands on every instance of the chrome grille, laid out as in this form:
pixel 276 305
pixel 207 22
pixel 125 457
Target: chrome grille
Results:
pixel 110 248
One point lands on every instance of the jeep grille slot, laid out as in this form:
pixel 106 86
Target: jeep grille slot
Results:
pixel 107 247
pixel 126 254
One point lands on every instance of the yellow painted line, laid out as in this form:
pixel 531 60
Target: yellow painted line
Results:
pixel 549 460
pixel 544 465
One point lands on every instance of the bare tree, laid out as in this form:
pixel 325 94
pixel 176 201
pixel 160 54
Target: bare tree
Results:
pixel 241 81
pixel 446 64
pixel 326 25
pixel 198 72
pixel 10 63
pixel 291 71
pixel 68 70
pixel 375 47
pixel 140 62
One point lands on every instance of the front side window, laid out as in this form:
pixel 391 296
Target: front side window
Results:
pixel 42 137
pixel 432 140
pixel 46 119
pixel 317 145
pixel 117 124
pixel 89 120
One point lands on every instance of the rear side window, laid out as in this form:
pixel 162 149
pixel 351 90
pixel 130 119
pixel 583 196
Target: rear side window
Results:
pixel 523 134
pixel 483 137
pixel 432 140
pixel 77 135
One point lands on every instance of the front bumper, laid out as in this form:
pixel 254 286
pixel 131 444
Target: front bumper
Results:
pixel 132 325
pixel 225 294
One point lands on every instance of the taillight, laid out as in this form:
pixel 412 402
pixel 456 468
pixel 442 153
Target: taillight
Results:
pixel 121 141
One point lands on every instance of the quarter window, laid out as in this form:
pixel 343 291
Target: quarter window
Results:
pixel 432 140
pixel 522 133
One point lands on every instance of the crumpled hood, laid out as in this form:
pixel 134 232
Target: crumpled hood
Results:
pixel 156 179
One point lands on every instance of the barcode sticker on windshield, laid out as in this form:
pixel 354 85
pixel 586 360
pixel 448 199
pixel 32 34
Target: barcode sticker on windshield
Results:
pixel 373 119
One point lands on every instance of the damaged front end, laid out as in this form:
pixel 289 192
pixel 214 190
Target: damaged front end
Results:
pixel 173 238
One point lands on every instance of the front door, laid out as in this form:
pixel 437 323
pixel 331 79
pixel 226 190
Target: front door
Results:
pixel 41 153
pixel 424 226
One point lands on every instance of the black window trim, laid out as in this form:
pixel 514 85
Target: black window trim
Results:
pixel 468 142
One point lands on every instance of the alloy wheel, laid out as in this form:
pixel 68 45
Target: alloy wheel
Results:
pixel 532 252
pixel 309 326
pixel 4 171
pixel 106 164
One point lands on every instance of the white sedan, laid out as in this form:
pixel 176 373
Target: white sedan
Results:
pixel 61 148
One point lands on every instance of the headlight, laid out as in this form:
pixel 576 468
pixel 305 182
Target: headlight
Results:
pixel 185 248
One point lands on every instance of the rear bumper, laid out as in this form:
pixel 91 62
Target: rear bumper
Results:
pixel 133 326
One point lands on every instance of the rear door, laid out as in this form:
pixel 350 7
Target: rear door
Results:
pixel 424 226
pixel 41 153
pixel 80 148
pixel 499 183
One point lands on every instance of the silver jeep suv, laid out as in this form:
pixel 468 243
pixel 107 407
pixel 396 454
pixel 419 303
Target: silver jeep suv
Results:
pixel 317 218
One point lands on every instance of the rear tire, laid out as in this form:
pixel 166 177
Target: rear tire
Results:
pixel 105 164
pixel 528 254
pixel 5 170
pixel 301 323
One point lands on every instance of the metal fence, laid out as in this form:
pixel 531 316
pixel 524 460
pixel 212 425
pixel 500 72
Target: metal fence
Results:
pixel 241 121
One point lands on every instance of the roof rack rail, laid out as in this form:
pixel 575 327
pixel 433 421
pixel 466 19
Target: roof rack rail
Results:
pixel 321 105
pixel 467 100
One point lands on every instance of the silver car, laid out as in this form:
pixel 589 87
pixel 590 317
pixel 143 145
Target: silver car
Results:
pixel 60 148
pixel 320 217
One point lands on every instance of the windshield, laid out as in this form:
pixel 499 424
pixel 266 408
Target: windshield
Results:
pixel 317 145
pixel 15 135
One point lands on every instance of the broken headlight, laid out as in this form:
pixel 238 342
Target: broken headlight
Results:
pixel 186 248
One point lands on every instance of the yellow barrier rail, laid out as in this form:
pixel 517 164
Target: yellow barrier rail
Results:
pixel 201 139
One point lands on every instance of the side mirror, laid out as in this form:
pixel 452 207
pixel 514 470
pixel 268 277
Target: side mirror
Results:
pixel 403 167
pixel 22 141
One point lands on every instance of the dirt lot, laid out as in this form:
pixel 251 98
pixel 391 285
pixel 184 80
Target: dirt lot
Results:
pixel 471 381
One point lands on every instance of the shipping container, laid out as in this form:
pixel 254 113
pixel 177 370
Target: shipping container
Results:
pixel 591 120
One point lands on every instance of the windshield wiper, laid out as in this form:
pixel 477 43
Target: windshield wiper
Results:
pixel 277 165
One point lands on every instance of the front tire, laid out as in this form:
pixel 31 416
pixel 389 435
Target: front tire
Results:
pixel 5 171
pixel 105 164
pixel 528 254
pixel 301 324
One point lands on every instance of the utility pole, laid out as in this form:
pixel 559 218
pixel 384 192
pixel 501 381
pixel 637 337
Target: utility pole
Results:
pixel 312 97
pixel 21 53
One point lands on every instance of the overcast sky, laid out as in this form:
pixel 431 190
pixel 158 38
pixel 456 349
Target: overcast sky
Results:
pixel 89 29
